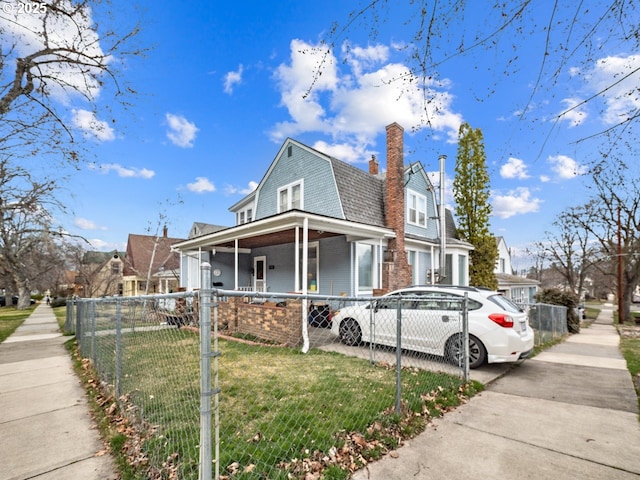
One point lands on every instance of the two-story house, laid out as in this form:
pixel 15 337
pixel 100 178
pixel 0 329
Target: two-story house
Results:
pixel 520 289
pixel 151 266
pixel 99 274
pixel 316 224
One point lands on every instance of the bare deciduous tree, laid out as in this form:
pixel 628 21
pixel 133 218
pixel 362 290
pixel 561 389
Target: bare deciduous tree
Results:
pixel 571 250
pixel 54 66
pixel 59 81
pixel 555 42
pixel 612 218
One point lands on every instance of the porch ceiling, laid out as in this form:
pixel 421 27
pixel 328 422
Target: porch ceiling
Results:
pixel 280 229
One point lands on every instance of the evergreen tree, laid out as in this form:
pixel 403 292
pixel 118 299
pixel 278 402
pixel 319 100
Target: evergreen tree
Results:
pixel 471 193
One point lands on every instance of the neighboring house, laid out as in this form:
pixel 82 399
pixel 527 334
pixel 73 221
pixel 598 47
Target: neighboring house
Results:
pixel 99 274
pixel 316 224
pixel 519 289
pixel 151 265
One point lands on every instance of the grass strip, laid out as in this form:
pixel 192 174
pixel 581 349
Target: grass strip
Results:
pixel 10 319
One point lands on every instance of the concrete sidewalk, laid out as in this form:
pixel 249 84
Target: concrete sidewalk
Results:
pixel 46 432
pixel 569 413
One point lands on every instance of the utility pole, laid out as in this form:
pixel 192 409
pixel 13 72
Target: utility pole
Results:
pixel 621 318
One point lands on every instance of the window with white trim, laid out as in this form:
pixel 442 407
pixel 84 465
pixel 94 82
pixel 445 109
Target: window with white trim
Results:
pixel 244 216
pixel 313 267
pixel 290 197
pixel 416 209
pixel 365 267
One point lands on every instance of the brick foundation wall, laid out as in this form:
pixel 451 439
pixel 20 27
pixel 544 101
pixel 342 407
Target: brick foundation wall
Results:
pixel 281 325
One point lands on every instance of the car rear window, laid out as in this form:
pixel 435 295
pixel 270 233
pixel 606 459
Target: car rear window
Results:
pixel 505 303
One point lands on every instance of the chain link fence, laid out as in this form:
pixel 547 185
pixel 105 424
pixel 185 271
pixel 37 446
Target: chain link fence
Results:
pixel 549 322
pixel 293 386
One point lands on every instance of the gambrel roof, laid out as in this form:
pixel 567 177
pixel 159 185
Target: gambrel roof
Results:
pixel 361 194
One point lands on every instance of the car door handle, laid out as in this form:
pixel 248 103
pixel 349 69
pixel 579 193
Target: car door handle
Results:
pixel 445 318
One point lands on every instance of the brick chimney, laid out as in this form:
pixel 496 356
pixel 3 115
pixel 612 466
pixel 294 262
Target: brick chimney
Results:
pixel 373 165
pixel 396 270
pixel 165 231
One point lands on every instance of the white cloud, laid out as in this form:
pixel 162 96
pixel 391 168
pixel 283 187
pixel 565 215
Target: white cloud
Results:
pixel 566 167
pixel 101 245
pixel 182 132
pixel 201 185
pixel 364 58
pixel 515 202
pixel 231 79
pixel 355 101
pixel 346 152
pixel 124 172
pixel 91 126
pixel 514 168
pixel 231 190
pixel 621 96
pixel 573 113
pixel 84 224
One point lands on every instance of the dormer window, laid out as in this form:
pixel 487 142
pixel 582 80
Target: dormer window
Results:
pixel 290 197
pixel 416 209
pixel 244 216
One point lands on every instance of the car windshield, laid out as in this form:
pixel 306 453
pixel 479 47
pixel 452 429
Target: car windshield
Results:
pixel 505 303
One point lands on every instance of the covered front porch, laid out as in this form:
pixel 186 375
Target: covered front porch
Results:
pixel 290 252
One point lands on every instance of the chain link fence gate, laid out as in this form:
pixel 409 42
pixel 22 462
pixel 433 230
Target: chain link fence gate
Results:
pixel 289 394
pixel 549 322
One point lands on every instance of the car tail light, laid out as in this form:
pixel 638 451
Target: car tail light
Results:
pixel 502 319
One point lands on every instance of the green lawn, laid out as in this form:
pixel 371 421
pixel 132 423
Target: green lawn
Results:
pixel 10 319
pixel 281 411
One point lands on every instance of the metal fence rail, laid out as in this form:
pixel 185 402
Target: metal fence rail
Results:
pixel 273 391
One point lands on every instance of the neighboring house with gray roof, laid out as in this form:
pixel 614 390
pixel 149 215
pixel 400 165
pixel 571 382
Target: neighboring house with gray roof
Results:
pixel 316 224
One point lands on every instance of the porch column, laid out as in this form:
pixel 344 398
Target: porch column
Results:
pixel 305 271
pixel 235 260
pixel 305 255
pixel 296 255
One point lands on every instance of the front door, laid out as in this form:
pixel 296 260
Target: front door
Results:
pixel 260 274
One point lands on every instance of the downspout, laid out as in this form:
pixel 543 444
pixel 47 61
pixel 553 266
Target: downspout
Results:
pixel 305 271
pixel 380 247
pixel 433 267
pixel 443 227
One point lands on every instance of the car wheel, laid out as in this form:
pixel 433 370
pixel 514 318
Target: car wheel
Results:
pixel 350 332
pixel 477 351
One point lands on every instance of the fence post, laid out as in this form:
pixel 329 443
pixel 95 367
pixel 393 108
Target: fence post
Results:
pixel 77 305
pixel 372 334
pixel 216 389
pixel 205 372
pixel 118 380
pixel 93 331
pixel 398 356
pixel 465 336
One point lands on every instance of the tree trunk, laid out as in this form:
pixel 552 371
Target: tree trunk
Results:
pixel 24 296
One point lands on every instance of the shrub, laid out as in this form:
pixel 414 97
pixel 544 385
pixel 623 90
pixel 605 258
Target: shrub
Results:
pixel 553 296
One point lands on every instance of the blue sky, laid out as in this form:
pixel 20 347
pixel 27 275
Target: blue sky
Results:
pixel 222 87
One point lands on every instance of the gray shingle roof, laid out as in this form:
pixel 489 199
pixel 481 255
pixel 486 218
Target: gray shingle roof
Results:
pixel 361 194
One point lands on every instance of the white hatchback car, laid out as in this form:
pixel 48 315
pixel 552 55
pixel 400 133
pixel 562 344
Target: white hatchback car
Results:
pixel 499 330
